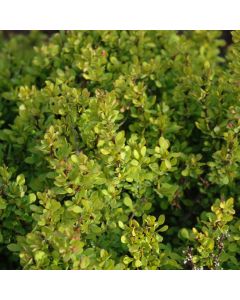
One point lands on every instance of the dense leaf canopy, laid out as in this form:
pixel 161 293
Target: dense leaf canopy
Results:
pixel 119 150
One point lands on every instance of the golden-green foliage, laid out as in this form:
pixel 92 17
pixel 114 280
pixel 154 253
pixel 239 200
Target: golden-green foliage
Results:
pixel 119 150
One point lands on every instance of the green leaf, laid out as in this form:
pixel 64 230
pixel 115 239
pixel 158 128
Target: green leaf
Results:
pixel 164 228
pixel 121 225
pixel 120 138
pixel 77 209
pixel 129 179
pixel 167 164
pixel 127 201
pixel 209 243
pixel 225 180
pixel 32 198
pixel 104 151
pixel 74 158
pixel 185 172
pixel 39 256
pixel 3 204
pixel 138 263
pixel 161 219
pixel 134 162
pixel 95 229
pixel 20 179
pixel 103 253
pixel 13 247
pixel 184 233
pixel 163 143
pixel 84 262
pixel 127 260
pixel 143 151
pixel 123 239
pixel 136 154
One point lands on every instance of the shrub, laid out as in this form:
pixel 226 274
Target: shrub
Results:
pixel 119 150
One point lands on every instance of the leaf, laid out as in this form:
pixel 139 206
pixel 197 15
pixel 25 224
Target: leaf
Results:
pixel 163 143
pixel 136 154
pixel 77 209
pixel 147 206
pixel 3 204
pixel 123 239
pixel 127 201
pixel 194 230
pixel 127 260
pixel 225 180
pixel 120 138
pixel 161 219
pixel 39 256
pixel 84 262
pixel 184 233
pixel 185 172
pixel 229 202
pixel 134 162
pixel 164 228
pixel 121 225
pixel 209 243
pixel 138 263
pixel 74 158
pixel 20 179
pixel 129 179
pixel 167 164
pixel 143 151
pixel 114 60
pixel 32 198
pixel 95 229
pixel 13 247
pixel 103 253
pixel 104 151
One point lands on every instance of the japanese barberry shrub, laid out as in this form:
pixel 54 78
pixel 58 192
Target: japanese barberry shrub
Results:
pixel 120 150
